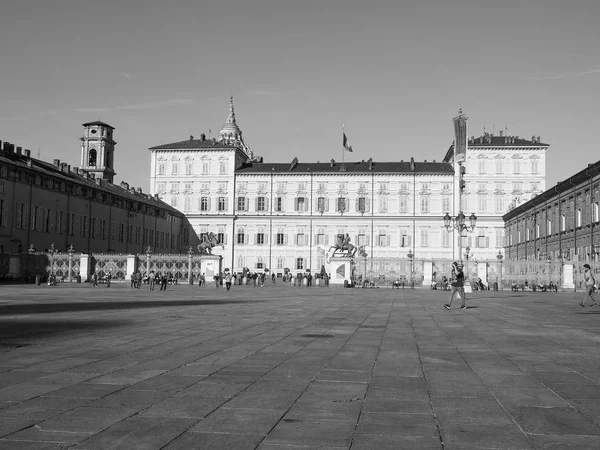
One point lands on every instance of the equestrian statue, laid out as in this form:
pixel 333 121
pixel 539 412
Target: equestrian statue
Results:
pixel 343 247
pixel 209 240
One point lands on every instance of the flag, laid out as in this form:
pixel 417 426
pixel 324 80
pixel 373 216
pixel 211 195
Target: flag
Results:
pixel 345 143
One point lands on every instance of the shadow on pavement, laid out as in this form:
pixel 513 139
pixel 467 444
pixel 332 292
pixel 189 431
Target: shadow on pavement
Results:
pixel 41 308
pixel 27 328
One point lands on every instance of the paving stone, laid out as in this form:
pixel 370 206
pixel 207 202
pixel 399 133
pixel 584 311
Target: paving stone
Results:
pixel 565 421
pixel 394 442
pixel 9 425
pixel 183 407
pixel 215 441
pixel 397 424
pixel 250 421
pixel 312 432
pixel 478 436
pixel 553 441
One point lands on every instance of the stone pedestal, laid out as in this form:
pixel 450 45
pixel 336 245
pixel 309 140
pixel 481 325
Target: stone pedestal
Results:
pixel 210 265
pixel 427 274
pixel 568 283
pixel 340 268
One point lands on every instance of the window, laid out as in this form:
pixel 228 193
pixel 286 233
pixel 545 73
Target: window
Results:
pixel 383 204
pixel 481 186
pixel 241 237
pixel 279 204
pixel 121 232
pixel 223 167
pixel 281 238
pixel 161 186
pixel 446 204
pixel 261 203
pixel 260 238
pixel 72 224
pixel 205 186
pixel 187 203
pixel 482 241
pixel 482 167
pixel 425 203
pixel 299 263
pixel 322 204
pixel 161 168
pixel 204 204
pixel 578 217
pixel 362 238
pixel 241 204
pixel 549 226
pixel 404 203
pixel 498 166
pixel 445 238
pixel 2 186
pixel 361 205
pixel 59 222
pixel 563 223
pixel 537 230
pixel 481 203
pixel 188 186
pixel 175 168
pixel 342 204
pixel 595 212
pixel 535 186
pixel 103 229
pixel 175 186
pixel 499 203
pixel 516 166
pixel 113 231
pixel 445 186
pixel 205 167
pixel 499 237
pixel 321 237
pixel 301 239
pixel 189 167
pixel 517 186
pixel 259 263
pixel 424 237
pixel 34 218
pixel 534 166
pixel 405 240
pixel 222 204
pixel 3 213
pixel 93 228
pixel 130 234
pixel 500 186
pixel 404 186
pixel 280 262
pixel 174 201
pixel 383 240
pixel 300 204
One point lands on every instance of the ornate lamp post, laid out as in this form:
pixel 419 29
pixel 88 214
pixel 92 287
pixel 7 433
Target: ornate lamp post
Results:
pixel 70 252
pixel 410 256
pixel 458 223
pixel 500 257
pixel 51 253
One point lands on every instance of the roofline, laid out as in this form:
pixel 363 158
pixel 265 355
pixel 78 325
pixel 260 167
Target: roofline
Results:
pixel 97 122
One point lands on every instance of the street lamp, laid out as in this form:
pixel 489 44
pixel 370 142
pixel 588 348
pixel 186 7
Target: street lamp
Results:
pixel 70 252
pixel 500 257
pixel 458 223
pixel 51 253
pixel 411 256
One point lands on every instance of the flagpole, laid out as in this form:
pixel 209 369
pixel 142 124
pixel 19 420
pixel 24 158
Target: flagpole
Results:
pixel 343 148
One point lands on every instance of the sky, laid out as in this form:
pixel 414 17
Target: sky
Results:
pixel 392 72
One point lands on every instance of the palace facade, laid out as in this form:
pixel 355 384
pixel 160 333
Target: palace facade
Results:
pixel 560 224
pixel 288 215
pixel 46 204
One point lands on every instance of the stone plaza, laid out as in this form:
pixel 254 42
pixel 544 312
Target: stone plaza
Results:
pixel 285 367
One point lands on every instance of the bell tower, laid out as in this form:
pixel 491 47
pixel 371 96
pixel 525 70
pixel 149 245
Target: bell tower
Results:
pixel 98 150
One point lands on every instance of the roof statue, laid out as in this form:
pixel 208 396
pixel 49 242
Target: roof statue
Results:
pixel 231 133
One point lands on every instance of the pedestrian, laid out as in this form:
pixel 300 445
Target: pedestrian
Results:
pixel 273 277
pixel 163 282
pixel 217 280
pixel 590 281
pixel 228 280
pixel 151 279
pixel 95 280
pixel 457 285
pixel 108 278
pixel 132 278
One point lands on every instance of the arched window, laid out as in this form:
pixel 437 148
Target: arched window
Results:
pixel 92 158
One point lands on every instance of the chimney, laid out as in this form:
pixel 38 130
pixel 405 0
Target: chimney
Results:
pixel 202 137
pixel 139 190
pixel 370 163
pixel 19 150
pixel 539 139
pixel 28 153
pixel 62 166
pixel 76 170
pixel 56 162
pixel 68 168
pixel 124 185
pixel 332 163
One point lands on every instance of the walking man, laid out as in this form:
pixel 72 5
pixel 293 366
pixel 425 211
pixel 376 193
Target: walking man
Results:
pixel 228 280
pixel 457 285
pixel 163 282
pixel 151 280
pixel 590 281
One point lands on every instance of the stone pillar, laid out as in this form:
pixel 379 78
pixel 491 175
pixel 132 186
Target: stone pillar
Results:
pixel 84 266
pixel 427 274
pixel 190 267
pixel 131 266
pixel 340 268
pixel 71 268
pixel 568 282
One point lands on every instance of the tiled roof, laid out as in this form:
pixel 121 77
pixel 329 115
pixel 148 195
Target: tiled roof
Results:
pixel 97 122
pixel 49 169
pixel 503 141
pixel 192 144
pixel 351 167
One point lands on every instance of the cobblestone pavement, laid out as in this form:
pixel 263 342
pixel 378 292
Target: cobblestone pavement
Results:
pixel 295 368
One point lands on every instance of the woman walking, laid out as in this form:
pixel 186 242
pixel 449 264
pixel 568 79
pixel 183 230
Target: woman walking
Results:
pixel 590 281
pixel 457 285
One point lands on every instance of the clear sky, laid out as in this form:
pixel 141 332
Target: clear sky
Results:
pixel 395 72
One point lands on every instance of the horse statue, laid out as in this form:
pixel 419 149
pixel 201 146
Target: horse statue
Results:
pixel 209 240
pixel 343 247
